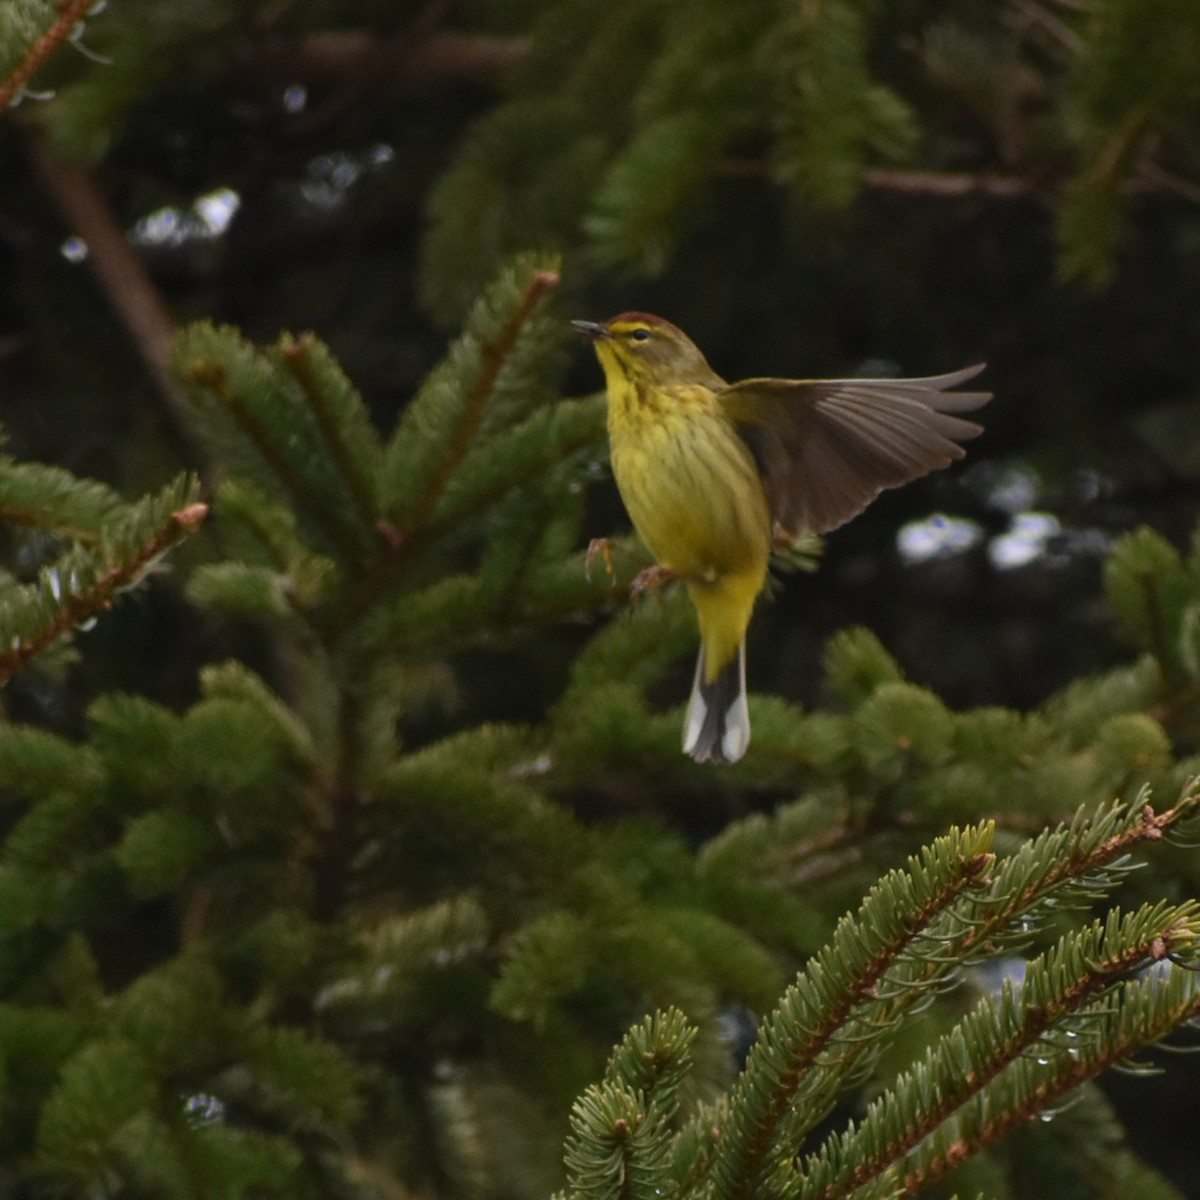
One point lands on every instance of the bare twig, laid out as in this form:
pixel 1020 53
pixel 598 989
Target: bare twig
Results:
pixel 1151 177
pixel 948 185
pixel 945 184
pixel 1029 15
pixel 405 63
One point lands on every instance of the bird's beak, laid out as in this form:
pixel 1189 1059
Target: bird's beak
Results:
pixel 590 330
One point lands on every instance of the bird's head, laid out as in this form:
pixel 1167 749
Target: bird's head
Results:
pixel 639 347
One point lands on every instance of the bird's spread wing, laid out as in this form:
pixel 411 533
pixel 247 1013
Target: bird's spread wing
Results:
pixel 826 448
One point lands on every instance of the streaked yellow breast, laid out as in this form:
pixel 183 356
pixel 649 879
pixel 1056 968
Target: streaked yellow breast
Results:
pixel 689 483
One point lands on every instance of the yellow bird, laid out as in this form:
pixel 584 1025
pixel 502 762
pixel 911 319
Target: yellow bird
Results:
pixel 714 473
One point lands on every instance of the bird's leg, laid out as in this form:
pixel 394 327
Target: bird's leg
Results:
pixel 598 548
pixel 651 577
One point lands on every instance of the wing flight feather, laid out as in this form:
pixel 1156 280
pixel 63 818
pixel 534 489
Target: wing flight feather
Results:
pixel 826 448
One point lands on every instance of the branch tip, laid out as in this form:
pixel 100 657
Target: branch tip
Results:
pixel 190 519
pixel 296 347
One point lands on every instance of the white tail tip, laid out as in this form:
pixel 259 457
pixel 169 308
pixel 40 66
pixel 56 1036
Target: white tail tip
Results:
pixel 716 727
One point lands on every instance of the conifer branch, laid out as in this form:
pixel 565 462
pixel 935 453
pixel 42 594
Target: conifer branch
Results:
pixel 283 578
pixel 1092 849
pixel 1087 856
pixel 96 591
pixel 297 353
pixel 495 352
pixel 1081 969
pixel 337 840
pixel 800 1060
pixel 213 376
pixel 71 13
pixel 1040 1096
pixel 818 1006
pixel 52 500
pixel 517 457
pixel 617 1147
pixel 463 605
pixel 246 505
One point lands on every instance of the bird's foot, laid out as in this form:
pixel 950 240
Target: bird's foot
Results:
pixel 652 578
pixel 598 548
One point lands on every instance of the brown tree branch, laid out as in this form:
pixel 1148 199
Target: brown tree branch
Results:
pixel 1148 179
pixel 120 272
pixel 404 63
pixel 947 184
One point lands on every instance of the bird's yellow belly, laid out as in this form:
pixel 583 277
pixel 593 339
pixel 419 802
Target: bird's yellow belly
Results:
pixel 694 494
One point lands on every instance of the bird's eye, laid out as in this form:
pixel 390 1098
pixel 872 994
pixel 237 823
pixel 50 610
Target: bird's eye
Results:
pixel 640 335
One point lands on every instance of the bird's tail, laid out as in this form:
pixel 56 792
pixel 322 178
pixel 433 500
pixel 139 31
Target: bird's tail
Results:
pixel 717 725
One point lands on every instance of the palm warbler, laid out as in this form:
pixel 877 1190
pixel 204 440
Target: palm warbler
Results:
pixel 712 473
